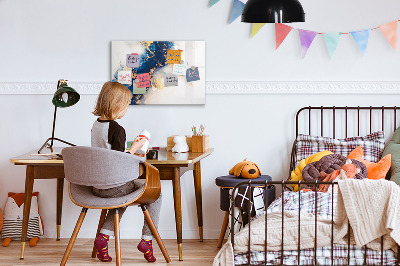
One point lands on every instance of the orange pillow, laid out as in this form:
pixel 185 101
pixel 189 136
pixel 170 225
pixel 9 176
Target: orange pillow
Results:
pixel 375 170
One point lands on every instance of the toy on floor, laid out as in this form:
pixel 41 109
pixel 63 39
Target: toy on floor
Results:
pixel 245 169
pixel 13 215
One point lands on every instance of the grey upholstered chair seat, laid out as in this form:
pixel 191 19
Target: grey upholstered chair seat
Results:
pixel 83 196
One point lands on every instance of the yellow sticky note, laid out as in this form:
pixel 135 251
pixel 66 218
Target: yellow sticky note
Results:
pixel 174 56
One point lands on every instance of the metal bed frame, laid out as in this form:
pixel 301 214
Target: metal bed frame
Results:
pixel 283 184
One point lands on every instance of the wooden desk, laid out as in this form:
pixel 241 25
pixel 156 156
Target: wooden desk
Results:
pixel 171 167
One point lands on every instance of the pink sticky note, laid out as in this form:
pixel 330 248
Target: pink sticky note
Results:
pixel 144 80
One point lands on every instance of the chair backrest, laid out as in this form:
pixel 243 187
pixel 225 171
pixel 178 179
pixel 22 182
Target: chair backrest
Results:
pixel 92 166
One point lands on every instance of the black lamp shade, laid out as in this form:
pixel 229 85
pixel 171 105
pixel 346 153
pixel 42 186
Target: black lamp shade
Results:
pixel 65 96
pixel 273 11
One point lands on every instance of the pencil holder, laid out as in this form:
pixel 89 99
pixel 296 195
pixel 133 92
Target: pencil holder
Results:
pixel 200 143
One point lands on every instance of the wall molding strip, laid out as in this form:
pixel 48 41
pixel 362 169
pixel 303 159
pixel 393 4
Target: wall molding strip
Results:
pixel 231 87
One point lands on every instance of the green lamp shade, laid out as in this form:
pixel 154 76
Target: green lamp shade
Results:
pixel 65 96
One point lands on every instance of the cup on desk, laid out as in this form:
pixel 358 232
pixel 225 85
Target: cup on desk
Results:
pixel 152 155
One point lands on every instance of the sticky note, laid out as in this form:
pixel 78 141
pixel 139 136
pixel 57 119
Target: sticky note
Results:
pixel 179 69
pixel 144 80
pixel 174 56
pixel 125 77
pixel 132 60
pixel 136 90
pixel 192 74
pixel 170 80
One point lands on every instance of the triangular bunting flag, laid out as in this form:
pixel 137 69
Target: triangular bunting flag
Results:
pixel 361 37
pixel 281 31
pixel 332 41
pixel 306 39
pixel 237 9
pixel 390 32
pixel 213 2
pixel 255 28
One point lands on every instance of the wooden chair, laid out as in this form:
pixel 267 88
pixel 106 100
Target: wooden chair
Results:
pixel 85 167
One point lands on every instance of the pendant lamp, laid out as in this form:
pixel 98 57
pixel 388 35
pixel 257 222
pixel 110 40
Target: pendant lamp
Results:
pixel 273 11
pixel 64 96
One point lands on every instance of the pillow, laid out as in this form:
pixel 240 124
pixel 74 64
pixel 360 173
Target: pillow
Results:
pixel 393 148
pixel 372 144
pixel 296 174
pixel 375 170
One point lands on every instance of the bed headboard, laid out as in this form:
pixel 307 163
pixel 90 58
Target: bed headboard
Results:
pixel 344 121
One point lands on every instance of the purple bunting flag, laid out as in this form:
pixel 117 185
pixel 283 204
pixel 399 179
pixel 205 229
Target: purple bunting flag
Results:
pixel 237 9
pixel 306 39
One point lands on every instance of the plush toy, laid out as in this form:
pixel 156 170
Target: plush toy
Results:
pixel 375 170
pixel 245 169
pixel 13 215
pixel 296 174
pixel 348 170
pixel 180 144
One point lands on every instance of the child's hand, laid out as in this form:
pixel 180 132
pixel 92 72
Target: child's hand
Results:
pixel 143 155
pixel 137 144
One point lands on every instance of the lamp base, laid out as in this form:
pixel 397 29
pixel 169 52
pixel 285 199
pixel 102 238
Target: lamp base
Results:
pixel 50 146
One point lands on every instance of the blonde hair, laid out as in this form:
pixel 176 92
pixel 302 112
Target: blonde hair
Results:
pixel 112 98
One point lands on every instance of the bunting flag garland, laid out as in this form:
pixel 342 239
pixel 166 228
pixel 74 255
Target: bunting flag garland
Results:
pixel 306 39
pixel 213 2
pixel 237 9
pixel 256 27
pixel 361 37
pixel 389 30
pixel 332 41
pixel 281 31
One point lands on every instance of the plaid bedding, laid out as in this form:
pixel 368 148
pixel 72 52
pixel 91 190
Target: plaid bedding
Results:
pixel 323 207
pixel 372 145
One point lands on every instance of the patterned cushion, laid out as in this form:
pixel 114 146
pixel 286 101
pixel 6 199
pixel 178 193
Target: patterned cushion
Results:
pixel 372 144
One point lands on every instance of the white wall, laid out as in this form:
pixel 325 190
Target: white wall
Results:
pixel 42 41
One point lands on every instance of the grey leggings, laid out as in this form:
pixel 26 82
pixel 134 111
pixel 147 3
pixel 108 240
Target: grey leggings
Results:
pixel 154 208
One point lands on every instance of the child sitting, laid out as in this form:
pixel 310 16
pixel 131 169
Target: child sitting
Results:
pixel 112 103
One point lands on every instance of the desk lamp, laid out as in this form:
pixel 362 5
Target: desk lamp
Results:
pixel 272 11
pixel 64 96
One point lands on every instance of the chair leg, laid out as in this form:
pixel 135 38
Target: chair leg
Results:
pixel 73 237
pixel 117 239
pixel 101 222
pixel 154 230
pixel 223 229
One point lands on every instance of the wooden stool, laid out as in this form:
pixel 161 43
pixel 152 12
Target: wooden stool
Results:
pixel 226 183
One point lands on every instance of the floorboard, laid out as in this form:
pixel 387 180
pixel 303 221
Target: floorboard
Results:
pixel 49 252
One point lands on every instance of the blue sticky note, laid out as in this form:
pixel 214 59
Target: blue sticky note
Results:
pixel 192 74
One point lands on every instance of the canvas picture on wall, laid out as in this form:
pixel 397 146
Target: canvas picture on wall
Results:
pixel 160 72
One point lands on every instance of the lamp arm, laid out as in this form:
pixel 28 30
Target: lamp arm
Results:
pixel 54 126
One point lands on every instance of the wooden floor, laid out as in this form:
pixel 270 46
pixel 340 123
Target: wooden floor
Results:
pixel 50 252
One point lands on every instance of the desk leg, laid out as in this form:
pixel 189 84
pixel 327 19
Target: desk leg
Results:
pixel 197 189
pixel 60 190
pixel 176 182
pixel 27 206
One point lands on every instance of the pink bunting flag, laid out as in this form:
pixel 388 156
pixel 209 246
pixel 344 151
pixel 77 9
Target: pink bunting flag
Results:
pixel 389 30
pixel 306 39
pixel 281 31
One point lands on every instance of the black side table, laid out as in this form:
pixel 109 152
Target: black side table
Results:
pixel 226 183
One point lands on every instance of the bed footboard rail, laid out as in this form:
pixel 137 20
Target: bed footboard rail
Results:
pixel 282 257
